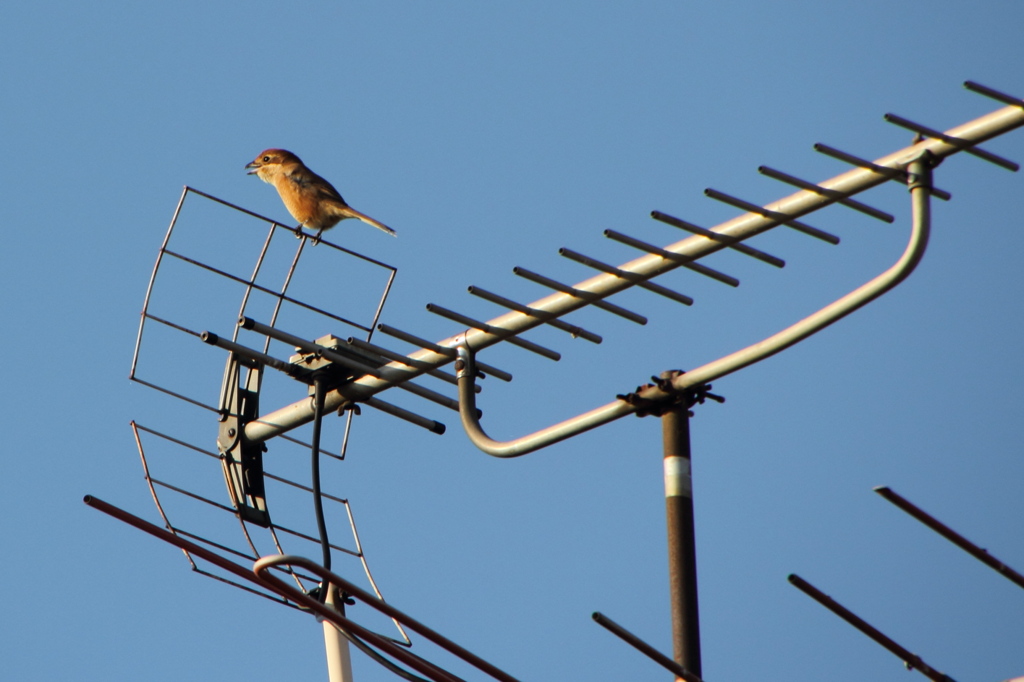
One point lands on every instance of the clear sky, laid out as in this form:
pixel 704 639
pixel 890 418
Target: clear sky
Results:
pixel 489 135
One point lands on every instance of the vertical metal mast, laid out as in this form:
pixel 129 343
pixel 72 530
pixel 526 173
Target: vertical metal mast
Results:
pixel 682 550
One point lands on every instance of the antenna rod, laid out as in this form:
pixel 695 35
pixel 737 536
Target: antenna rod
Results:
pixel 643 647
pixel 945 531
pixel 912 661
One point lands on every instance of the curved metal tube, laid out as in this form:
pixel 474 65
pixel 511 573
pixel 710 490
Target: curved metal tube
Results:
pixel 327 613
pixel 465 370
pixel 919 169
pixel 263 565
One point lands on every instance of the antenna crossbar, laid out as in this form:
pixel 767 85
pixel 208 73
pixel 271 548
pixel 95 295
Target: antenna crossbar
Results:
pixel 584 296
pixel 782 218
pixel 730 242
pixel 483 326
pixel 671 256
pixel 636 279
pixel 845 201
pixel 546 318
pixel 894 174
pixel 967 146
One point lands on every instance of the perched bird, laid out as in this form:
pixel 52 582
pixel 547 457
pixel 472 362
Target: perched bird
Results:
pixel 309 198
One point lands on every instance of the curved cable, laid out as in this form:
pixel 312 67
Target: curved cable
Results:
pixel 381 659
pixel 318 503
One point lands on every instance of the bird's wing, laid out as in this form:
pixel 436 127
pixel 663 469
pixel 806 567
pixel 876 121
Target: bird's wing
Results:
pixel 323 190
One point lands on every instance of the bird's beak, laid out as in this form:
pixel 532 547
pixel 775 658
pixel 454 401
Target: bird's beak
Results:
pixel 252 167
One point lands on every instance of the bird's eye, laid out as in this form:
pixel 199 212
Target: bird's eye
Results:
pixel 266 159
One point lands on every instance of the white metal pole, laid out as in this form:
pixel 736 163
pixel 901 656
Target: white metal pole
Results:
pixel 339 660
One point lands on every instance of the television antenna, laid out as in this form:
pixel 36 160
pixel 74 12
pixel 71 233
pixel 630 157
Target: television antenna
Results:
pixel 342 374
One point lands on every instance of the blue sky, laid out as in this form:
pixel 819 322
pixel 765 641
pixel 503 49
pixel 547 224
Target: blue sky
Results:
pixel 489 136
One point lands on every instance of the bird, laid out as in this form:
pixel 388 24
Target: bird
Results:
pixel 308 197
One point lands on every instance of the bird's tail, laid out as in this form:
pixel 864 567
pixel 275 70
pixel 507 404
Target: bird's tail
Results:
pixel 370 221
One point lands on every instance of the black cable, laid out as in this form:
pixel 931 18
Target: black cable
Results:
pixel 372 653
pixel 318 504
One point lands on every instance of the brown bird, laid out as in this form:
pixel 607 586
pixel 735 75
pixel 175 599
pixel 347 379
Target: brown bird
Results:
pixel 309 198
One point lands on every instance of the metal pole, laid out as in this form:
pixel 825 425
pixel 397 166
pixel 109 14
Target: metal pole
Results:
pixel 682 552
pixel 339 661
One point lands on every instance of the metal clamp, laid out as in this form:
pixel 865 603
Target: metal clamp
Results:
pixel 693 395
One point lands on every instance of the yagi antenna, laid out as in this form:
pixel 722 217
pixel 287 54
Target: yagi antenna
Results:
pixel 295 351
